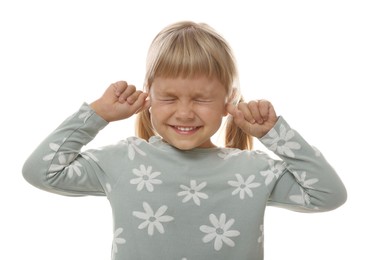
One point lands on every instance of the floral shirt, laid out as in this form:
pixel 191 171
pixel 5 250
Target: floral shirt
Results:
pixel 196 204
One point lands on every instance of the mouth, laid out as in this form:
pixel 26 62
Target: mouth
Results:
pixel 185 130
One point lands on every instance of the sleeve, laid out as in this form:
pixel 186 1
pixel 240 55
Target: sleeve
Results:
pixel 57 165
pixel 308 183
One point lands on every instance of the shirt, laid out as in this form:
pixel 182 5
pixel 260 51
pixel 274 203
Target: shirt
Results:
pixel 204 203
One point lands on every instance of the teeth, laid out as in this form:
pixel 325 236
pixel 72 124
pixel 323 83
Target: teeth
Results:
pixel 185 128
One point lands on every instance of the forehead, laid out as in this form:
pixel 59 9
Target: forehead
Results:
pixel 197 85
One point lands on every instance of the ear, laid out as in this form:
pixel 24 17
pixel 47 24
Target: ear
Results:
pixel 225 112
pixel 231 101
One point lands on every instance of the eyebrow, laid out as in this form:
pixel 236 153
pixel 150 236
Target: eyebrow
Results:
pixel 200 95
pixel 164 93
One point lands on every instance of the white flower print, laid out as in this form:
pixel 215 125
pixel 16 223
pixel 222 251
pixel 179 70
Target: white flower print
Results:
pixel 303 198
pixel 74 168
pixel 133 144
pixel 257 153
pixel 145 178
pixel 273 172
pixel 261 237
pixel 219 231
pixel 242 186
pixel 54 147
pixel 152 220
pixel 303 181
pixel 117 241
pixel 193 192
pixel 227 153
pixel 65 161
pixel 89 155
pixel 85 112
pixel 317 152
pixel 280 143
pixel 108 187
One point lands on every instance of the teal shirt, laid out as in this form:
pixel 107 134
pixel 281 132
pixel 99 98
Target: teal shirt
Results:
pixel 185 205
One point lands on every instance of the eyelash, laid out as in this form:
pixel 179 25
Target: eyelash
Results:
pixel 195 100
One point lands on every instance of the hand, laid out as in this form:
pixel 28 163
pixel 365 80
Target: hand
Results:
pixel 120 101
pixel 255 118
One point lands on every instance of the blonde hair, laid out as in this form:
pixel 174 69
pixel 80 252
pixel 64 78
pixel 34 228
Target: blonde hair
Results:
pixel 188 49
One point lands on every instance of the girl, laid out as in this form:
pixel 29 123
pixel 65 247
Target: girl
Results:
pixel 173 192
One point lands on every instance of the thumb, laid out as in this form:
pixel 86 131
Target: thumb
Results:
pixel 146 104
pixel 232 110
pixel 238 118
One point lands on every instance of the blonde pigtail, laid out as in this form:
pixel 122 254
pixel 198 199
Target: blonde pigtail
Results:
pixel 235 137
pixel 143 127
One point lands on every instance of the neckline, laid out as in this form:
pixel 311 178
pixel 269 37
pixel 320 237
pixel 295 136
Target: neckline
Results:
pixel 159 142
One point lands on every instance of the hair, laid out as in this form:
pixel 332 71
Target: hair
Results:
pixel 188 49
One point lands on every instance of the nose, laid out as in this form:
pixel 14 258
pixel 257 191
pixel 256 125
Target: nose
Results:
pixel 184 111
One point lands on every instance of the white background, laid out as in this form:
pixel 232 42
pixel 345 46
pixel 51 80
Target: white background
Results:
pixel 309 58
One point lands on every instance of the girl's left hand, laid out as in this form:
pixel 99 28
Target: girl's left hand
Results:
pixel 255 118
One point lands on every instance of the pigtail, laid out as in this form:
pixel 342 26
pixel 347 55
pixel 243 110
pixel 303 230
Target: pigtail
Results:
pixel 143 125
pixel 235 137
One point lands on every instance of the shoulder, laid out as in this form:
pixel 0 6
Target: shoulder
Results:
pixel 245 157
pixel 122 148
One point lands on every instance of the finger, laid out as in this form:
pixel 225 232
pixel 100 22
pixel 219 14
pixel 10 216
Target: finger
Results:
pixel 272 113
pixel 133 97
pixel 130 89
pixel 119 87
pixel 110 95
pixel 246 112
pixel 234 112
pixel 264 109
pixel 242 116
pixel 255 110
pixel 231 109
pixel 140 103
pixel 146 103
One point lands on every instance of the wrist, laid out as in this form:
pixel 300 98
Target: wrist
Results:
pixel 96 107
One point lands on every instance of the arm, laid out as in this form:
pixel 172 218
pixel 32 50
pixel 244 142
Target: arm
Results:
pixel 308 183
pixel 57 164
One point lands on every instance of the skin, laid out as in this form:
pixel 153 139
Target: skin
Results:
pixel 185 112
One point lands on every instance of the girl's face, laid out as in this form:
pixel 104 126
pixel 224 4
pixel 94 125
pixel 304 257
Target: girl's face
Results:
pixel 187 112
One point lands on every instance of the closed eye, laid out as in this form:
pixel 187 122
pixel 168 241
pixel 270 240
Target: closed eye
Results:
pixel 203 100
pixel 166 99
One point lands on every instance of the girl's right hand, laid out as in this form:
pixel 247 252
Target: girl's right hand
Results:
pixel 120 101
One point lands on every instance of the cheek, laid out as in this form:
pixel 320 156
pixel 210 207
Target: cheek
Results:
pixel 153 120
pixel 158 110
pixel 158 114
pixel 213 112
pixel 211 116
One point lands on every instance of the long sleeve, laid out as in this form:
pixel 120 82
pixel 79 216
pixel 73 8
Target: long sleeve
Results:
pixel 308 182
pixel 160 195
pixel 58 166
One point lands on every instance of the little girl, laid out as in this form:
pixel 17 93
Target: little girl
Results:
pixel 175 194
